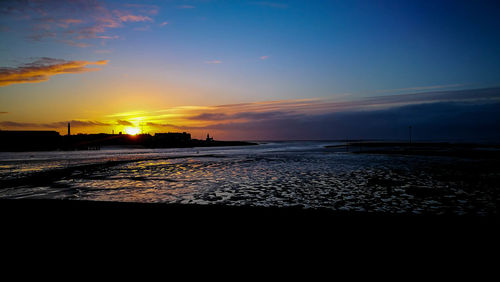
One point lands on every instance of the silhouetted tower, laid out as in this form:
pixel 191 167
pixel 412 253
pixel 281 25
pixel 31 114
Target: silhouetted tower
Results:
pixel 208 138
pixel 69 129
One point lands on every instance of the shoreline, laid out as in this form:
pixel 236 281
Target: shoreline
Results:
pixel 133 147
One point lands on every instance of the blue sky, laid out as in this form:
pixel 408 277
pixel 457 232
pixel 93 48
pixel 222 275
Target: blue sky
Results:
pixel 161 55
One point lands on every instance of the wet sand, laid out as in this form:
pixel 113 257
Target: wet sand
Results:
pixel 371 183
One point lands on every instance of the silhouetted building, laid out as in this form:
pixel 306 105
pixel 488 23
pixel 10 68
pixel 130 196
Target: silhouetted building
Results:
pixel 96 141
pixel 209 139
pixel 11 140
pixel 172 139
pixel 51 140
pixel 69 129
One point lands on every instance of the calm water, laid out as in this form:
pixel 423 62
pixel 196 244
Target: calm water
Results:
pixel 270 174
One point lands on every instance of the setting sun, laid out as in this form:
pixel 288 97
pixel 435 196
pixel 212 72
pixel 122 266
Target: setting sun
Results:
pixel 132 130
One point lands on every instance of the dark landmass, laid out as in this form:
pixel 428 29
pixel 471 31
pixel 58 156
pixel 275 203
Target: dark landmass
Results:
pixel 171 213
pixel 29 140
pixel 52 140
pixel 105 232
pixel 203 223
pixel 466 150
pixel 216 143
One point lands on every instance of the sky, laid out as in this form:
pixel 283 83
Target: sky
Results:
pixel 253 70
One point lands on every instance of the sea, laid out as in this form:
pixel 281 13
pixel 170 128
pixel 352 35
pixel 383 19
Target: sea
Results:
pixel 307 174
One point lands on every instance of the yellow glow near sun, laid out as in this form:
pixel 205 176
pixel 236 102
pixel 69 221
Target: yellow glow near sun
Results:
pixel 132 130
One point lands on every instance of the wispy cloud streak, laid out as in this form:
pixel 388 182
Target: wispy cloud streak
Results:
pixel 42 69
pixel 439 114
pixel 53 125
pixel 421 88
pixel 213 62
pixel 233 115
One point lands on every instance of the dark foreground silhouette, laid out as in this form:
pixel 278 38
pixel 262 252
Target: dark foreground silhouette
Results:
pixel 78 213
pixel 178 231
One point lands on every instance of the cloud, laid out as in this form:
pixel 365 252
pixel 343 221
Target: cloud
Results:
pixel 264 57
pixel 65 23
pixel 144 8
pixel 195 117
pixel 236 116
pixel 76 44
pixel 134 18
pixel 449 121
pixel 128 114
pixel 4 113
pixel 144 28
pixel 421 88
pixel 106 37
pixel 39 35
pixel 90 19
pixel 102 51
pixel 77 123
pixel 13 124
pixel 42 69
pixel 471 114
pixel 467 95
pixel 53 125
pixel 163 23
pixel 156 124
pixel 437 115
pixel 124 122
pixel 213 62
pixel 210 116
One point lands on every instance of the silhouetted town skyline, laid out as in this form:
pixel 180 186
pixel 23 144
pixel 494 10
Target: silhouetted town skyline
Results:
pixel 44 140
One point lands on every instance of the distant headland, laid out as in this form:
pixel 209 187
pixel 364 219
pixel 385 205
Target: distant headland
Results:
pixel 11 140
pixel 443 149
